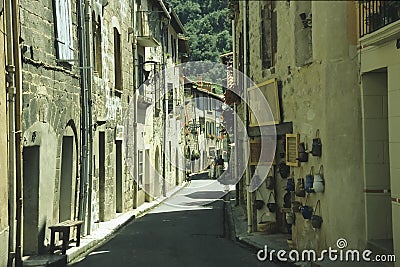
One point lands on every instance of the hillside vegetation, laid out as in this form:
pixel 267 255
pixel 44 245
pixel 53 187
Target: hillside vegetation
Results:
pixel 207 26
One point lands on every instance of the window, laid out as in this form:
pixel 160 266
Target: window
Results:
pixel 140 169
pixel 202 125
pixel 166 36
pixel 117 63
pixel 170 156
pixel 303 33
pixel 96 39
pixel 141 74
pixel 64 40
pixel 268 35
pixel 170 97
pixel 173 47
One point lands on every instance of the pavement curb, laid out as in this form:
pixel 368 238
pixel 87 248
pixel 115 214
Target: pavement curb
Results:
pixel 77 255
pixel 243 239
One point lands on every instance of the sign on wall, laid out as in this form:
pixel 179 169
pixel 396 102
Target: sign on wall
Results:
pixel 260 97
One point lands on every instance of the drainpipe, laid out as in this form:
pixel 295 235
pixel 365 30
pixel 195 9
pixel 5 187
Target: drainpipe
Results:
pixel 18 132
pixel 237 186
pixel 11 91
pixel 84 111
pixel 135 99
pixel 164 27
pixel 245 139
pixel 89 75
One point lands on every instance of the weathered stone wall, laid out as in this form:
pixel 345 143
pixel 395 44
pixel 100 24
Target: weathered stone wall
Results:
pixel 111 107
pixel 51 96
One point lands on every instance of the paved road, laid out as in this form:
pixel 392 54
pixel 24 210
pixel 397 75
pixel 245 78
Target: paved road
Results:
pixel 187 230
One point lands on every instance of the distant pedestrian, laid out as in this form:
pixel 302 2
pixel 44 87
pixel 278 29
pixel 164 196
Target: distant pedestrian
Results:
pixel 220 160
pixel 220 165
pixel 215 163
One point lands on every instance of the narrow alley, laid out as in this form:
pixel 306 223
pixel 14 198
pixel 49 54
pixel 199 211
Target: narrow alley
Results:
pixel 187 230
pixel 199 133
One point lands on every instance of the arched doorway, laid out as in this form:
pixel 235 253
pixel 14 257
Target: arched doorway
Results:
pixel 68 184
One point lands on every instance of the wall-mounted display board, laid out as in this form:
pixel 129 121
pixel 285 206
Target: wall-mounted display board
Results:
pixel 265 93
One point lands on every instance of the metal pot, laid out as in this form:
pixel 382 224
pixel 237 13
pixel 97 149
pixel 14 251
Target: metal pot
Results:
pixel 259 204
pixel 271 206
pixel 306 211
pixel 269 182
pixel 316 221
pixel 289 218
pixel 318 185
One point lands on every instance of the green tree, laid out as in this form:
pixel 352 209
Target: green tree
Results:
pixel 207 26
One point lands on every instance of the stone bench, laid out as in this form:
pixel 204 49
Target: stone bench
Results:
pixel 65 228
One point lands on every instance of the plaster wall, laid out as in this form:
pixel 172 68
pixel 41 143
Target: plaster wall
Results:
pixel 39 190
pixel 315 94
pixel 374 58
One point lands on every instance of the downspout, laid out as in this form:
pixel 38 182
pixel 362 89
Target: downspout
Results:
pixel 11 91
pixel 245 139
pixel 163 28
pixel 84 97
pixel 18 132
pixel 135 99
pixel 89 75
pixel 237 186
pixel 271 37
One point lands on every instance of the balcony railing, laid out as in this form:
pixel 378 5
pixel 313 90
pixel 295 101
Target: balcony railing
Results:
pixel 374 15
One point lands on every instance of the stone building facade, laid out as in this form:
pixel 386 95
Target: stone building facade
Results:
pixel 310 48
pixel 51 118
pixel 79 80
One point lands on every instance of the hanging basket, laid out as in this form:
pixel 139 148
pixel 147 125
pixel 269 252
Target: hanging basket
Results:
pixel 259 204
pixel 267 227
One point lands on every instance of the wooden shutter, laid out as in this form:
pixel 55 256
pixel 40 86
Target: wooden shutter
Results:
pixel 261 151
pixel 292 145
pixel 64 39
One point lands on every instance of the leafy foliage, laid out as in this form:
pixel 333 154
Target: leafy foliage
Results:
pixel 207 26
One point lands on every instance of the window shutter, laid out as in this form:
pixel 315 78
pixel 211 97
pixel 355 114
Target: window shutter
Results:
pixel 64 39
pixel 292 144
